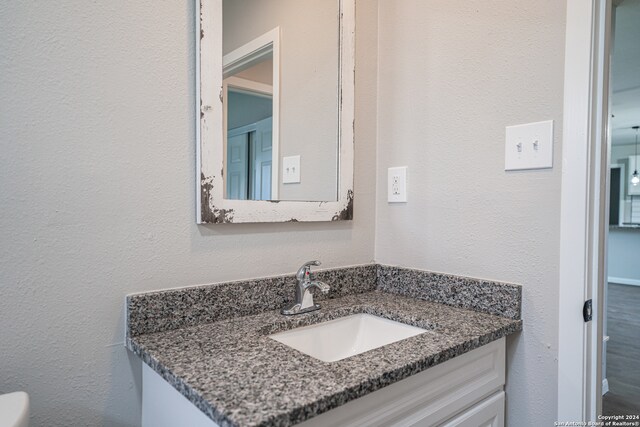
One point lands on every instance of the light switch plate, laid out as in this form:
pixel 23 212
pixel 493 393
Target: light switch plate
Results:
pixel 529 146
pixel 397 185
pixel 291 170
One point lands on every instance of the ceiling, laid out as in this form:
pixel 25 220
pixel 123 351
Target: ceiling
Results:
pixel 625 72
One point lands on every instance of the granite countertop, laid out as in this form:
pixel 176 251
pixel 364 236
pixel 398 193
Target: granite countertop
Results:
pixel 238 376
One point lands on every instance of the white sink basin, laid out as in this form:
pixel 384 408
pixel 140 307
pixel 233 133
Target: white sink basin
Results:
pixel 345 337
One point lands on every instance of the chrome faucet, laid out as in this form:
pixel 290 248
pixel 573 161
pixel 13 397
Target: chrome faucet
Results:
pixel 304 298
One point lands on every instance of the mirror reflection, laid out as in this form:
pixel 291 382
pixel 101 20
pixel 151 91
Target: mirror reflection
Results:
pixel 625 121
pixel 249 121
pixel 280 99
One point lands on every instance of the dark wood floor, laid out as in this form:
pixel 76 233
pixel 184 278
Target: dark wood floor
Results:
pixel 623 351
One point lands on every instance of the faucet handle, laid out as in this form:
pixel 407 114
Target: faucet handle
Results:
pixel 305 269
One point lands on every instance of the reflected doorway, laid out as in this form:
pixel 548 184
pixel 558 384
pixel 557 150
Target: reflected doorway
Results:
pixel 249 145
pixel 621 320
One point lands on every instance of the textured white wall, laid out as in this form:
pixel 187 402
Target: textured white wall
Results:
pixel 452 75
pixel 97 159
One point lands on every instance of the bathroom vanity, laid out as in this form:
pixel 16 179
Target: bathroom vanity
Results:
pixel 215 356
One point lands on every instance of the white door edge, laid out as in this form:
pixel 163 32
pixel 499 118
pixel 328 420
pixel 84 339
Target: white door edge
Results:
pixel 581 261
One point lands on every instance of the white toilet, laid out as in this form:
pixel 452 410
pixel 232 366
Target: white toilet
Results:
pixel 14 409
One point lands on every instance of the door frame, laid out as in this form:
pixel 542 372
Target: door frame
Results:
pixel 584 229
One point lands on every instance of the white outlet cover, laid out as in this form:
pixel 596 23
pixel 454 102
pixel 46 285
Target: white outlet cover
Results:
pixel 529 146
pixel 291 170
pixel 397 185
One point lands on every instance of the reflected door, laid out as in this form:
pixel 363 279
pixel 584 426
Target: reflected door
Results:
pixel 261 160
pixel 238 166
pixel 249 161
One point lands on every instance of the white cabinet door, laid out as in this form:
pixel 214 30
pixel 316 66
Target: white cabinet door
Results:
pixel 488 413
pixel 164 406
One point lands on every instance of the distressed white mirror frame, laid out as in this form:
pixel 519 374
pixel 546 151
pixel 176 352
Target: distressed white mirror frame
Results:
pixel 212 207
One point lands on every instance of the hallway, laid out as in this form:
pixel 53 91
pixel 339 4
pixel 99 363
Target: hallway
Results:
pixel 623 351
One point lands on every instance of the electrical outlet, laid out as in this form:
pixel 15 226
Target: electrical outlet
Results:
pixel 397 185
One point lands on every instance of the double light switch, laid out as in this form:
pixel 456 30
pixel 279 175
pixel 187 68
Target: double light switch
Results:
pixel 529 146
pixel 291 170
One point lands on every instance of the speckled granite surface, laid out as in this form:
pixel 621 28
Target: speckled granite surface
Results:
pixel 502 299
pixel 177 308
pixel 238 376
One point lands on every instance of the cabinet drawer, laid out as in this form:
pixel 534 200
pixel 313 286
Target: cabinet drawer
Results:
pixel 428 398
pixel 488 413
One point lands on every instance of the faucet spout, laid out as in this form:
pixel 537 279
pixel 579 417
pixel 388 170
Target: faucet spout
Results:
pixel 324 288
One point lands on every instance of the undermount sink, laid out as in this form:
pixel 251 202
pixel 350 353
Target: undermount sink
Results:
pixel 345 337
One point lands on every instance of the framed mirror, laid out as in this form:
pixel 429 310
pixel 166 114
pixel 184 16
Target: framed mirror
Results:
pixel 275 110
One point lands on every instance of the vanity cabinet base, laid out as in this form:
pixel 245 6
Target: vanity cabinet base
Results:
pixel 466 391
pixel 429 398
pixel 164 406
